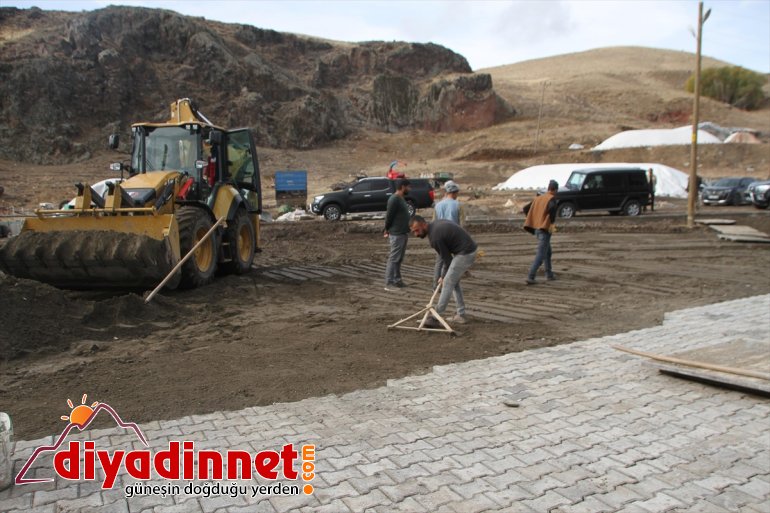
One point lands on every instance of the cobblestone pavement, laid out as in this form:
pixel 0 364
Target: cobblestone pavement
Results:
pixel 596 430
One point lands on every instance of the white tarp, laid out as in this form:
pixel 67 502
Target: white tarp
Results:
pixel 669 181
pixel 655 137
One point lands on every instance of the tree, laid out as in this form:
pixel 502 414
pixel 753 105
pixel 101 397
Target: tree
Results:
pixel 735 85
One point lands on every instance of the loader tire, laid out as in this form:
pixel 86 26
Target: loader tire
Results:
pixel 240 235
pixel 199 269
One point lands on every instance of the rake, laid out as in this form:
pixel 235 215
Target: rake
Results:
pixel 425 312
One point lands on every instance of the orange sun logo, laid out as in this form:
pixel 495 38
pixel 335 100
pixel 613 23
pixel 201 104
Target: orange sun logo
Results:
pixel 80 414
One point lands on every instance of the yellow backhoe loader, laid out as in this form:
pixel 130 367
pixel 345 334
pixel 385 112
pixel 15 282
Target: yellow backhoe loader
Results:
pixel 185 175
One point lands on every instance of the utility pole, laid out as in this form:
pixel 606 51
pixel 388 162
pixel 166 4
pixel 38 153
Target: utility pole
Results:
pixel 539 116
pixel 693 183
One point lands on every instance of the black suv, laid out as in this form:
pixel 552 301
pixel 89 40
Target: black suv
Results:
pixel 617 191
pixel 371 195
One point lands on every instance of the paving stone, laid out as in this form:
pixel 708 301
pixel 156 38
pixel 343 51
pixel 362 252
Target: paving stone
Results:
pixel 45 508
pixel 45 497
pixel 589 505
pixel 190 506
pixel 546 502
pixel 260 507
pixel 755 487
pixel 661 502
pixel 408 505
pixel 433 500
pixel 138 504
pixel 362 502
pixel 211 504
pixel 732 500
pixel 364 485
pixel 476 504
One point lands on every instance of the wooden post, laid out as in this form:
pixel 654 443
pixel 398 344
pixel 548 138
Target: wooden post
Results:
pixel 693 182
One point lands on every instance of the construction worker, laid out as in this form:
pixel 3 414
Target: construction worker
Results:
pixel 448 208
pixel 653 181
pixel 541 214
pixel 457 251
pixel 397 233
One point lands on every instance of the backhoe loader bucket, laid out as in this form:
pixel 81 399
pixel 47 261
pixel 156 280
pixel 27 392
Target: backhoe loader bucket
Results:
pixel 92 252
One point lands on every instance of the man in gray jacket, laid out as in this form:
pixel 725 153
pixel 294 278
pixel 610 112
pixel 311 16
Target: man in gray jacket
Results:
pixel 457 251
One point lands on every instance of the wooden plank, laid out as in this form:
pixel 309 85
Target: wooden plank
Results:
pixel 746 354
pixel 715 221
pixel 737 364
pixel 742 383
pixel 697 364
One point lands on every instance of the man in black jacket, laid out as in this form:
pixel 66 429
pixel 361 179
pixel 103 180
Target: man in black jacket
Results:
pixel 397 233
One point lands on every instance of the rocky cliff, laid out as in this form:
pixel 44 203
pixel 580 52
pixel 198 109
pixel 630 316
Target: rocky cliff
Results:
pixel 70 79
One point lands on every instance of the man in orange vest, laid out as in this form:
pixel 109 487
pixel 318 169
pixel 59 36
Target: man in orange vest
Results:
pixel 541 214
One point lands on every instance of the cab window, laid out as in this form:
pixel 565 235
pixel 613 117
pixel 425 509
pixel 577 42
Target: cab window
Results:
pixel 380 185
pixel 362 187
pixel 240 164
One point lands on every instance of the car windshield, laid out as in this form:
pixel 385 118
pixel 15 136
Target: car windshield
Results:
pixel 166 148
pixel 727 182
pixel 575 181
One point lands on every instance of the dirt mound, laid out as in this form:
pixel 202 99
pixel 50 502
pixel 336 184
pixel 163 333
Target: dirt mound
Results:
pixel 38 318
pixel 81 73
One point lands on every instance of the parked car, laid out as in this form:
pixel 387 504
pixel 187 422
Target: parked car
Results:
pixel 726 191
pixel 615 190
pixel 371 195
pixel 759 194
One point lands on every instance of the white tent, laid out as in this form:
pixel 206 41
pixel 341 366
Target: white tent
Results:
pixel 669 181
pixel 655 137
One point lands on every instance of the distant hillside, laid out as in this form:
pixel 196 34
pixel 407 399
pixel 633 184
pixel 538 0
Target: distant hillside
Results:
pixel 69 79
pixel 625 85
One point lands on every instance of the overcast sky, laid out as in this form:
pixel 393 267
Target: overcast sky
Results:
pixel 492 33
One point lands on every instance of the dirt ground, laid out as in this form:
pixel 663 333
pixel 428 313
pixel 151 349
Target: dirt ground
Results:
pixel 311 318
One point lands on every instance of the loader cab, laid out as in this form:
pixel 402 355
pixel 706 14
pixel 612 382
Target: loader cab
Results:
pixel 206 154
pixel 166 148
pixel 242 166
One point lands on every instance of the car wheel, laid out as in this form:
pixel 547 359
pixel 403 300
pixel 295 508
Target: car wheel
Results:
pixel 332 212
pixel 410 207
pixel 632 208
pixel 566 210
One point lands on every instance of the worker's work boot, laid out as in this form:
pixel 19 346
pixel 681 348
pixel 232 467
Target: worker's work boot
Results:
pixel 459 319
